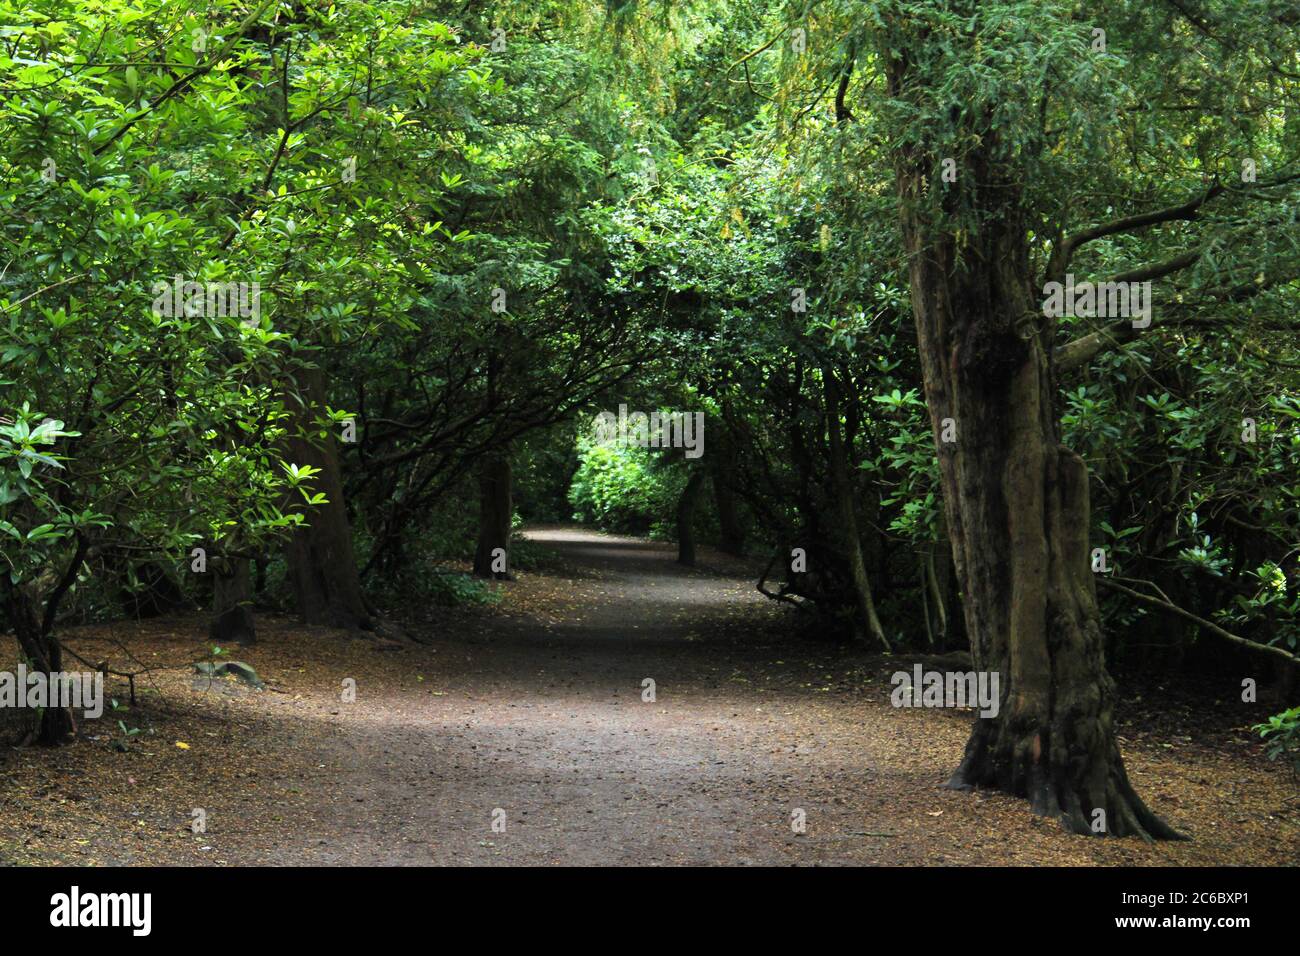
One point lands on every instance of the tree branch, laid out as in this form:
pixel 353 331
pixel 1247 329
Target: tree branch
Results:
pixel 188 79
pixel 1202 622
pixel 1082 350
pixel 1158 270
pixel 69 576
pixel 1185 212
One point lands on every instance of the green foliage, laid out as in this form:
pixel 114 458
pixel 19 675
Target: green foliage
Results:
pixel 453 589
pixel 1282 731
pixel 543 466
pixel 625 489
pixel 648 185
pixel 529 555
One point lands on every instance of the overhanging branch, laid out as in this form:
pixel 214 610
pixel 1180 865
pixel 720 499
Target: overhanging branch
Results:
pixel 1082 350
pixel 1202 622
pixel 1185 212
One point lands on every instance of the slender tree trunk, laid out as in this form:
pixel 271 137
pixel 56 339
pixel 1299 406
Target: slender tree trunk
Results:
pixel 936 598
pixel 867 618
pixel 731 531
pixel 925 608
pixel 1016 502
pixel 43 653
pixel 686 518
pixel 495 514
pixel 322 567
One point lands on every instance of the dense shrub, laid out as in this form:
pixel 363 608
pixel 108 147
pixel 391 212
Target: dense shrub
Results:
pixel 625 489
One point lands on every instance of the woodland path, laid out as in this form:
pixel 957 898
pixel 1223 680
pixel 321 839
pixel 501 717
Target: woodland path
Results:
pixel 535 707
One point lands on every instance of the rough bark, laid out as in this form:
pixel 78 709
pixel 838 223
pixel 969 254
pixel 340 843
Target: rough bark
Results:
pixel 1016 504
pixel 322 567
pixel 686 518
pixel 495 513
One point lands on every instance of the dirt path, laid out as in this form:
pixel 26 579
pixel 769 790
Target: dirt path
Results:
pixel 534 708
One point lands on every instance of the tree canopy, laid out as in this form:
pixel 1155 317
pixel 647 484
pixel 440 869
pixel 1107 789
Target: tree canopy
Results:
pixel 300 301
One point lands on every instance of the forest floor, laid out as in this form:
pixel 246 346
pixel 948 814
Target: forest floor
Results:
pixel 534 707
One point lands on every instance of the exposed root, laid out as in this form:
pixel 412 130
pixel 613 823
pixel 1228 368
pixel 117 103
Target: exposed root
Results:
pixel 1059 791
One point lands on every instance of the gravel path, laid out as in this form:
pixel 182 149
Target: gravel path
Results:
pixel 531 715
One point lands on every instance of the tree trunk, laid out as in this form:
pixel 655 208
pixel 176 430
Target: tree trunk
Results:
pixel 936 597
pixel 321 565
pixel 867 619
pixel 232 594
pixel 938 561
pixel 686 516
pixel 1016 501
pixel 44 654
pixel 731 531
pixel 495 514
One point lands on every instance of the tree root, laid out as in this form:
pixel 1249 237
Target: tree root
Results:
pixel 1062 792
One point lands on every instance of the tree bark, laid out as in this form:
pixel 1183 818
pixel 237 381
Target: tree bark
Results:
pixel 322 567
pixel 1015 499
pixel 686 518
pixel 936 597
pixel 495 515
pixel 868 621
pixel 44 654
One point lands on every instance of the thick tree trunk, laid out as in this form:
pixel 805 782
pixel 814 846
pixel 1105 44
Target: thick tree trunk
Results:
pixel 495 514
pixel 232 596
pixel 321 565
pixel 1016 503
pixel 868 621
pixel 686 518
